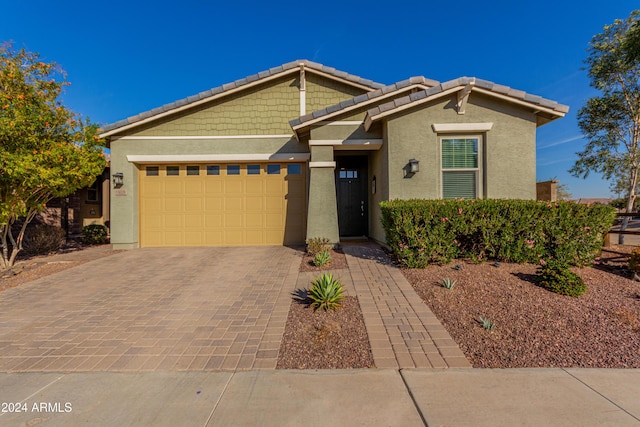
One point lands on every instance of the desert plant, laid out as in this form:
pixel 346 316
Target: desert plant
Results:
pixel 448 283
pixel 321 259
pixel 558 278
pixel 94 234
pixel 634 261
pixel 487 323
pixel 326 292
pixel 42 239
pixel 317 245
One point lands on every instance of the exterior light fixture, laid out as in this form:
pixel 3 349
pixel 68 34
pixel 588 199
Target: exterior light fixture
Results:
pixel 118 179
pixel 414 165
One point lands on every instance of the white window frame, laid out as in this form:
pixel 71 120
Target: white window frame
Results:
pixel 478 170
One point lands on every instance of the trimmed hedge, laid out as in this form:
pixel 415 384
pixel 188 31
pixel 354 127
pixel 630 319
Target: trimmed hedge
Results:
pixel 420 232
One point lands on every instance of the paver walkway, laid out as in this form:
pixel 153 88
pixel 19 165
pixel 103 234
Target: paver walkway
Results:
pixel 403 331
pixel 204 309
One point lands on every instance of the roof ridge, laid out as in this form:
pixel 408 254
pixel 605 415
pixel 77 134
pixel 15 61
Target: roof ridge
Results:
pixel 166 108
pixel 476 82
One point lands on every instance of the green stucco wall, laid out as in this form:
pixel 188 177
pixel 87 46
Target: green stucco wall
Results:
pixel 342 132
pixel 508 151
pixel 322 214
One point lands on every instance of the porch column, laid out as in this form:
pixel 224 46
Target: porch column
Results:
pixel 322 215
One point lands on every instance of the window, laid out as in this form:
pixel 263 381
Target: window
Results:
pixel 348 174
pixel 233 170
pixel 294 169
pixel 193 170
pixel 253 169
pixel 213 170
pixel 273 169
pixel 93 192
pixel 460 167
pixel 173 170
pixel 152 170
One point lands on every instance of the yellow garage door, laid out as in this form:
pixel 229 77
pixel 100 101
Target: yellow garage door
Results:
pixel 222 204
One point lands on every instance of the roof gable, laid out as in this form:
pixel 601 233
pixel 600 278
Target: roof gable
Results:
pixel 546 110
pixel 235 87
pixel 363 100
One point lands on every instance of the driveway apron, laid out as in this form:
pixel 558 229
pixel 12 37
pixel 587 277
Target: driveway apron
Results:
pixel 152 309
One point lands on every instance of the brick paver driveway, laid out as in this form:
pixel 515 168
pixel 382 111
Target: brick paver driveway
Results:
pixel 153 309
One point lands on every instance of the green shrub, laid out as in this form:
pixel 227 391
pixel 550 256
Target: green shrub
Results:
pixel 558 278
pixel 326 292
pixel 94 234
pixel 420 232
pixel 317 245
pixel 42 239
pixel 321 259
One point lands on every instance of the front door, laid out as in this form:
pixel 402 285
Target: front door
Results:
pixel 351 187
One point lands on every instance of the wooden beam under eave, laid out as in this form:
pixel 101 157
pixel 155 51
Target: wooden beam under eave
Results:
pixel 463 98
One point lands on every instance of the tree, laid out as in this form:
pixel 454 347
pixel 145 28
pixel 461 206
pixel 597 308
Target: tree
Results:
pixel 611 121
pixel 46 150
pixel 562 192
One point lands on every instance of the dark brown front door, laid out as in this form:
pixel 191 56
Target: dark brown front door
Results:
pixel 351 186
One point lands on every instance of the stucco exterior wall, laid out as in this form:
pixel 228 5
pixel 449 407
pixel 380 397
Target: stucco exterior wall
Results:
pixel 343 131
pixel 508 150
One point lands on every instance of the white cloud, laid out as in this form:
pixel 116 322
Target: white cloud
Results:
pixel 564 141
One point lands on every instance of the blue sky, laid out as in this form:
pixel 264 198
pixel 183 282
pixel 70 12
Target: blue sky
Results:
pixel 124 58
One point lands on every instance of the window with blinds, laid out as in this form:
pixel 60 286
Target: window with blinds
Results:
pixel 460 171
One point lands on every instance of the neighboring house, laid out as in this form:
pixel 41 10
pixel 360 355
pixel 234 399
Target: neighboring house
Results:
pixel 86 206
pixel 304 150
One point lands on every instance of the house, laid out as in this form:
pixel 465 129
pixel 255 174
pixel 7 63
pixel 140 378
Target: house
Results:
pixel 303 150
pixel 86 206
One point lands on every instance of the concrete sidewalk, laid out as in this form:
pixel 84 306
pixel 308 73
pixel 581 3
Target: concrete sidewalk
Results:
pixel 374 397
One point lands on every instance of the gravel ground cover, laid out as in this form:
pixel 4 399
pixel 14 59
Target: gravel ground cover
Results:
pixel 535 327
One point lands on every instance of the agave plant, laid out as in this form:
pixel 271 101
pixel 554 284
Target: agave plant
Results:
pixel 321 259
pixel 487 323
pixel 449 284
pixel 326 292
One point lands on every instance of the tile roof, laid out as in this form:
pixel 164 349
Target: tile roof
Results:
pixel 203 96
pixel 361 99
pixel 476 83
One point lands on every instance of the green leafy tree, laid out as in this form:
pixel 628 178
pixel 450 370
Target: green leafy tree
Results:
pixel 611 121
pixel 46 150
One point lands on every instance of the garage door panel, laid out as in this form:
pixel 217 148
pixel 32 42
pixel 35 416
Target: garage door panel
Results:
pixel 233 185
pixel 213 185
pixel 193 238
pixel 220 209
pixel 193 204
pixel 212 221
pixel 173 186
pixel 254 204
pixel 233 221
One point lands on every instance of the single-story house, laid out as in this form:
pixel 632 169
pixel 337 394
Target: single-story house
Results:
pixel 304 150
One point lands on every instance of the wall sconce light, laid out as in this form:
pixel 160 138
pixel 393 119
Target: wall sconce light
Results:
pixel 118 179
pixel 414 166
